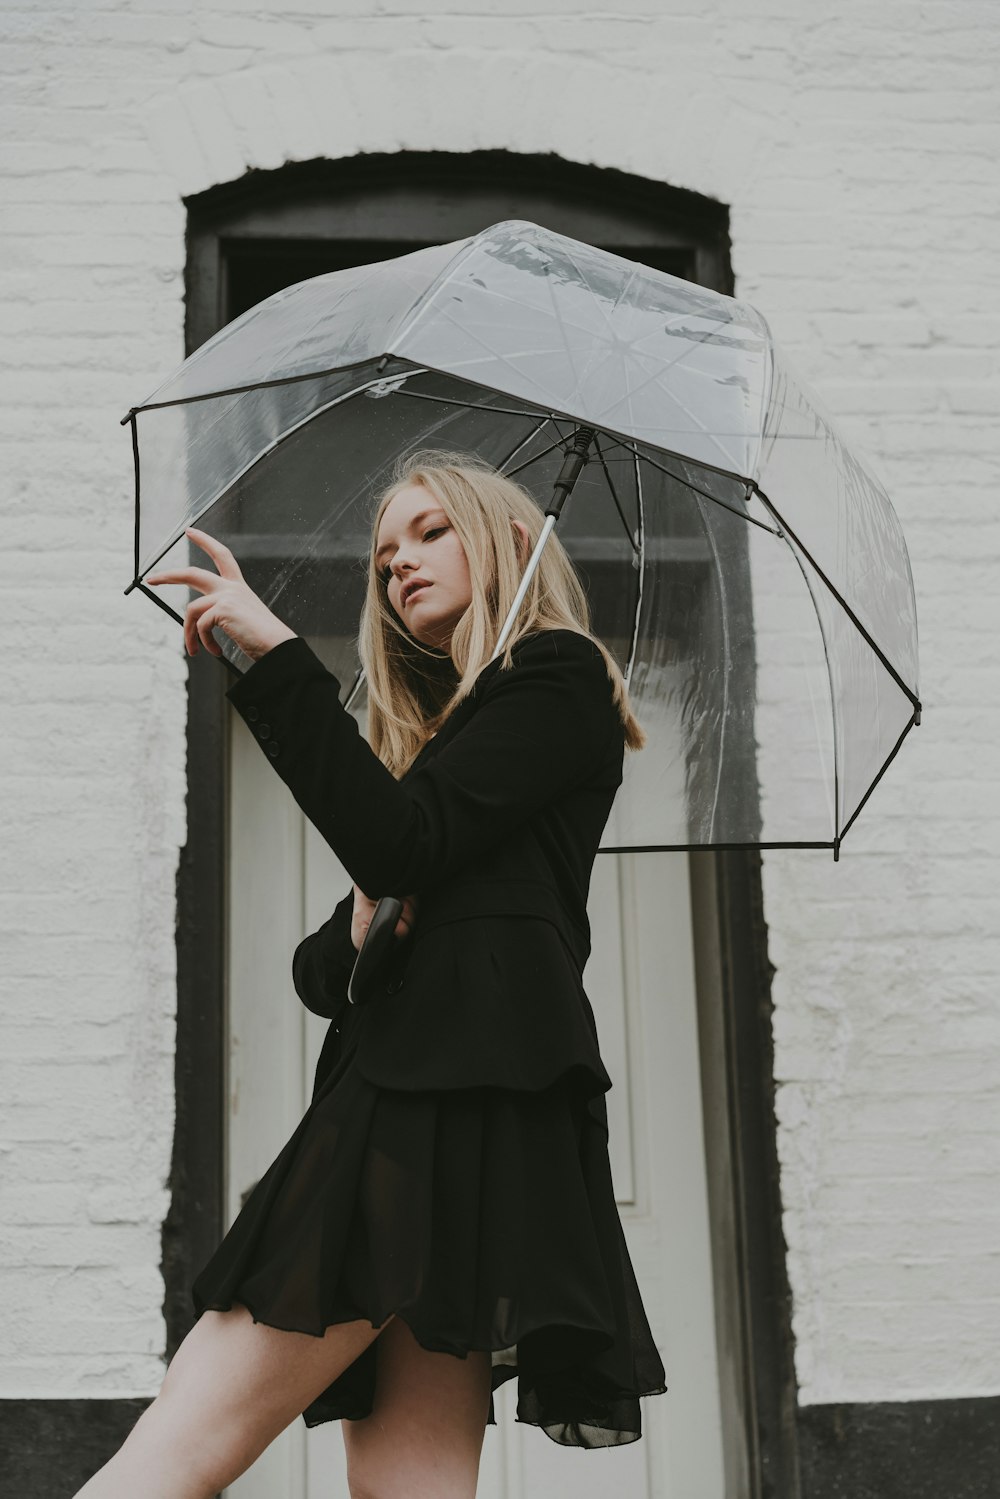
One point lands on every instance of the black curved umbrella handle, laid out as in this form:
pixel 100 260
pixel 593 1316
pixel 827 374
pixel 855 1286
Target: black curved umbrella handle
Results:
pixel 378 940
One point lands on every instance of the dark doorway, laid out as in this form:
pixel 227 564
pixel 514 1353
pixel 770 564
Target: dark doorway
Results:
pixel 245 241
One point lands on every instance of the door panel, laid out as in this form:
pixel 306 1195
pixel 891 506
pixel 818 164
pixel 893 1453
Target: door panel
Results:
pixel 283 881
pixel 248 239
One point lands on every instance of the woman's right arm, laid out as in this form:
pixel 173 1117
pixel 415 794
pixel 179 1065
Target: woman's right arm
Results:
pixel 537 731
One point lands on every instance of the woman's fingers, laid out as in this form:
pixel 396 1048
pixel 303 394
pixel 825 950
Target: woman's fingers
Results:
pixel 204 625
pixel 194 577
pixel 407 916
pixel 361 916
pixel 199 621
pixel 217 550
pixel 361 899
pixel 364 908
pixel 201 577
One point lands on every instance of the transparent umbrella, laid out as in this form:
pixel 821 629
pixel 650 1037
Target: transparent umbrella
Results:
pixel 744 566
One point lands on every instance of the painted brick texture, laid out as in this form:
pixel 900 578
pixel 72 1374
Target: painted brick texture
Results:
pixel 857 152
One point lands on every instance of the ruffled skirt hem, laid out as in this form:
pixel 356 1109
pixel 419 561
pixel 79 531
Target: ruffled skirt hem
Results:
pixel 613 1418
pixel 484 1218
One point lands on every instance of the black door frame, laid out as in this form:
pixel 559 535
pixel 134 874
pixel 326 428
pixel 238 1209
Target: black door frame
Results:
pixel 430 197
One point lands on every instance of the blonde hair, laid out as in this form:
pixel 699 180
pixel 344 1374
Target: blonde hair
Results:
pixel 411 687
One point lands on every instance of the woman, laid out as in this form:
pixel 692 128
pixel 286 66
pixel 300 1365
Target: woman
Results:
pixel 443 1219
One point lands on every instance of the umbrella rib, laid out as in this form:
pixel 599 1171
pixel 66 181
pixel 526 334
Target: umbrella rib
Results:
pixel 765 406
pixel 178 617
pixel 442 420
pixel 595 295
pixel 614 496
pixel 623 289
pixel 157 600
pixel 698 848
pixel 420 395
pixel 507 299
pixel 574 425
pixel 705 432
pixel 565 341
pixel 241 390
pixel 628 388
pixel 560 323
pixel 610 455
pixel 833 699
pixel 529 461
pixel 664 365
pixel 501 296
pixel 425 299
pixel 669 363
pixel 468 333
pixel 135 460
pixel 840 599
pixel 724 613
pixel 634 643
pixel 891 756
pixel 272 446
pixel 694 342
pixel 687 484
pixel 523 444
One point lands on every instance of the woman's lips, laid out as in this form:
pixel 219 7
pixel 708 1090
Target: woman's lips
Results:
pixel 414 591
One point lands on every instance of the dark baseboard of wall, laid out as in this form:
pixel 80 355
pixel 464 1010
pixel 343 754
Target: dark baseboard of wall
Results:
pixel 913 1449
pixel 49 1448
pixel 919 1449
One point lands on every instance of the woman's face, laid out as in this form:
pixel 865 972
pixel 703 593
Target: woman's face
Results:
pixel 419 555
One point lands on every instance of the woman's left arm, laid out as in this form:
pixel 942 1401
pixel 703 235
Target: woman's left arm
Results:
pixel 323 961
pixel 541 727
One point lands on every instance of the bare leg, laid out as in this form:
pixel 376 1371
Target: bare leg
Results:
pixel 424 1437
pixel 231 1388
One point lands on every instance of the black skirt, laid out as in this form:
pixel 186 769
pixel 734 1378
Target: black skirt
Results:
pixel 483 1217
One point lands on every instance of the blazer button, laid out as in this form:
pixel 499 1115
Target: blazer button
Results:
pixel 253 714
pixel 272 749
pixel 394 986
pixel 264 731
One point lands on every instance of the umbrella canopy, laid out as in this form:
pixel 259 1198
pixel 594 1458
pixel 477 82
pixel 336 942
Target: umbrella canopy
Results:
pixel 747 569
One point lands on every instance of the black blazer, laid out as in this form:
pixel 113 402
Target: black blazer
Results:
pixel 494 826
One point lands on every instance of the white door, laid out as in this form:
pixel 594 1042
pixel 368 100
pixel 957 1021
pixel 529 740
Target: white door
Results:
pixel 283 882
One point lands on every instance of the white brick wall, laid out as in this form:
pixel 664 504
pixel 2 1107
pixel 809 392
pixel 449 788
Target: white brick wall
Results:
pixel 857 151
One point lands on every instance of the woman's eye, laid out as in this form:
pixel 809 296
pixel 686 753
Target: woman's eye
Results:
pixel 386 572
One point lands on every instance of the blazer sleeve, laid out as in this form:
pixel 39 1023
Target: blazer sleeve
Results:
pixel 540 727
pixel 322 962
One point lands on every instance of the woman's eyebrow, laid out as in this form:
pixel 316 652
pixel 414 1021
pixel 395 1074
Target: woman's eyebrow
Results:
pixel 417 520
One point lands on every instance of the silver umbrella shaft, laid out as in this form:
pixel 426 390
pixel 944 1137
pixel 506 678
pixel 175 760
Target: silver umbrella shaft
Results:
pixel 573 465
pixel 525 583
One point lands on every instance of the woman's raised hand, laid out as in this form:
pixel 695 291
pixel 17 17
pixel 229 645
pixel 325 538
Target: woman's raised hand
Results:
pixel 229 603
pixel 364 909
